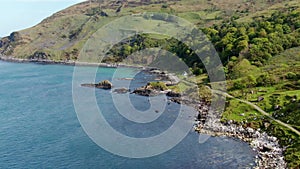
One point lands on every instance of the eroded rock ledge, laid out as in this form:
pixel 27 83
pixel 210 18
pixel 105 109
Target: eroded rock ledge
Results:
pixel 105 84
pixel 154 89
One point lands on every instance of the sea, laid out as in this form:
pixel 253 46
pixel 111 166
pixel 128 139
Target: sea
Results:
pixel 40 127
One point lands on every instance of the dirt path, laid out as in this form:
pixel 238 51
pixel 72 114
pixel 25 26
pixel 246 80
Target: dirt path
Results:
pixel 261 111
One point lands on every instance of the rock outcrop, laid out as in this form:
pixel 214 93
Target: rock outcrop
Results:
pixel 146 91
pixel 173 94
pixel 121 90
pixel 152 89
pixel 105 84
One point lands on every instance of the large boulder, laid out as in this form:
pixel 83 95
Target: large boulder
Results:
pixel 151 89
pixel 121 90
pixel 144 91
pixel 173 94
pixel 105 84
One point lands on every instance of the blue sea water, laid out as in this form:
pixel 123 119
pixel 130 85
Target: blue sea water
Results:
pixel 39 127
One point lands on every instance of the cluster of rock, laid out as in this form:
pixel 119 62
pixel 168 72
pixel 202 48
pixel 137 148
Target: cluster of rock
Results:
pixel 150 90
pixel 147 90
pixel 173 94
pixel 168 78
pixel 270 154
pixel 105 84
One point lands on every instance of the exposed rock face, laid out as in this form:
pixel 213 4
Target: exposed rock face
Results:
pixel 146 91
pixel 173 94
pixel 8 43
pixel 168 78
pixel 151 89
pixel 121 90
pixel 102 85
pixel 39 56
pixel 260 98
pixel 15 36
pixel 176 100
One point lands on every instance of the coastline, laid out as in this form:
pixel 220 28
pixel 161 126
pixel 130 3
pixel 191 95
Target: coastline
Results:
pixel 67 63
pixel 269 152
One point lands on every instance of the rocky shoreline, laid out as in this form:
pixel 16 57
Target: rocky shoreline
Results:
pixel 269 152
pixel 67 62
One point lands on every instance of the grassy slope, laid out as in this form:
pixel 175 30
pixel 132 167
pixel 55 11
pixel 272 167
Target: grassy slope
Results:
pixel 54 37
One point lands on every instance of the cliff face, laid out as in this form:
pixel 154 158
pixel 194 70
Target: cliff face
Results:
pixel 56 37
pixel 62 35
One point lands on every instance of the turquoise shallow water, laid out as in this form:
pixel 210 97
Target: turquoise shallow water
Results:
pixel 39 127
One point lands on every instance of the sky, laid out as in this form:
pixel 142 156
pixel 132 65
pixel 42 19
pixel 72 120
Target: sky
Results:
pixel 20 14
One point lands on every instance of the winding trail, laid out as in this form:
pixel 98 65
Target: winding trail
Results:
pixel 260 110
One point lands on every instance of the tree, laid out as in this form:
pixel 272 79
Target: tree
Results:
pixel 291 76
pixel 242 45
pixel 266 80
pixel 242 31
pixel 262 33
pixel 239 84
pixel 286 29
pixel 126 50
pixel 250 81
pixel 243 69
pixel 251 33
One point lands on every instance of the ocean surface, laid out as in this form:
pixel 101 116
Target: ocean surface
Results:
pixel 39 127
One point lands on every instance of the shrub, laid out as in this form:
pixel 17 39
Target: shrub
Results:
pixel 239 84
pixel 266 80
pixel 291 76
pixel 243 69
pixel 158 85
pixel 164 6
pixel 250 81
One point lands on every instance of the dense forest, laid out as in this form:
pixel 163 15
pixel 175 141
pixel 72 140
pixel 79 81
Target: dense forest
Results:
pixel 251 43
